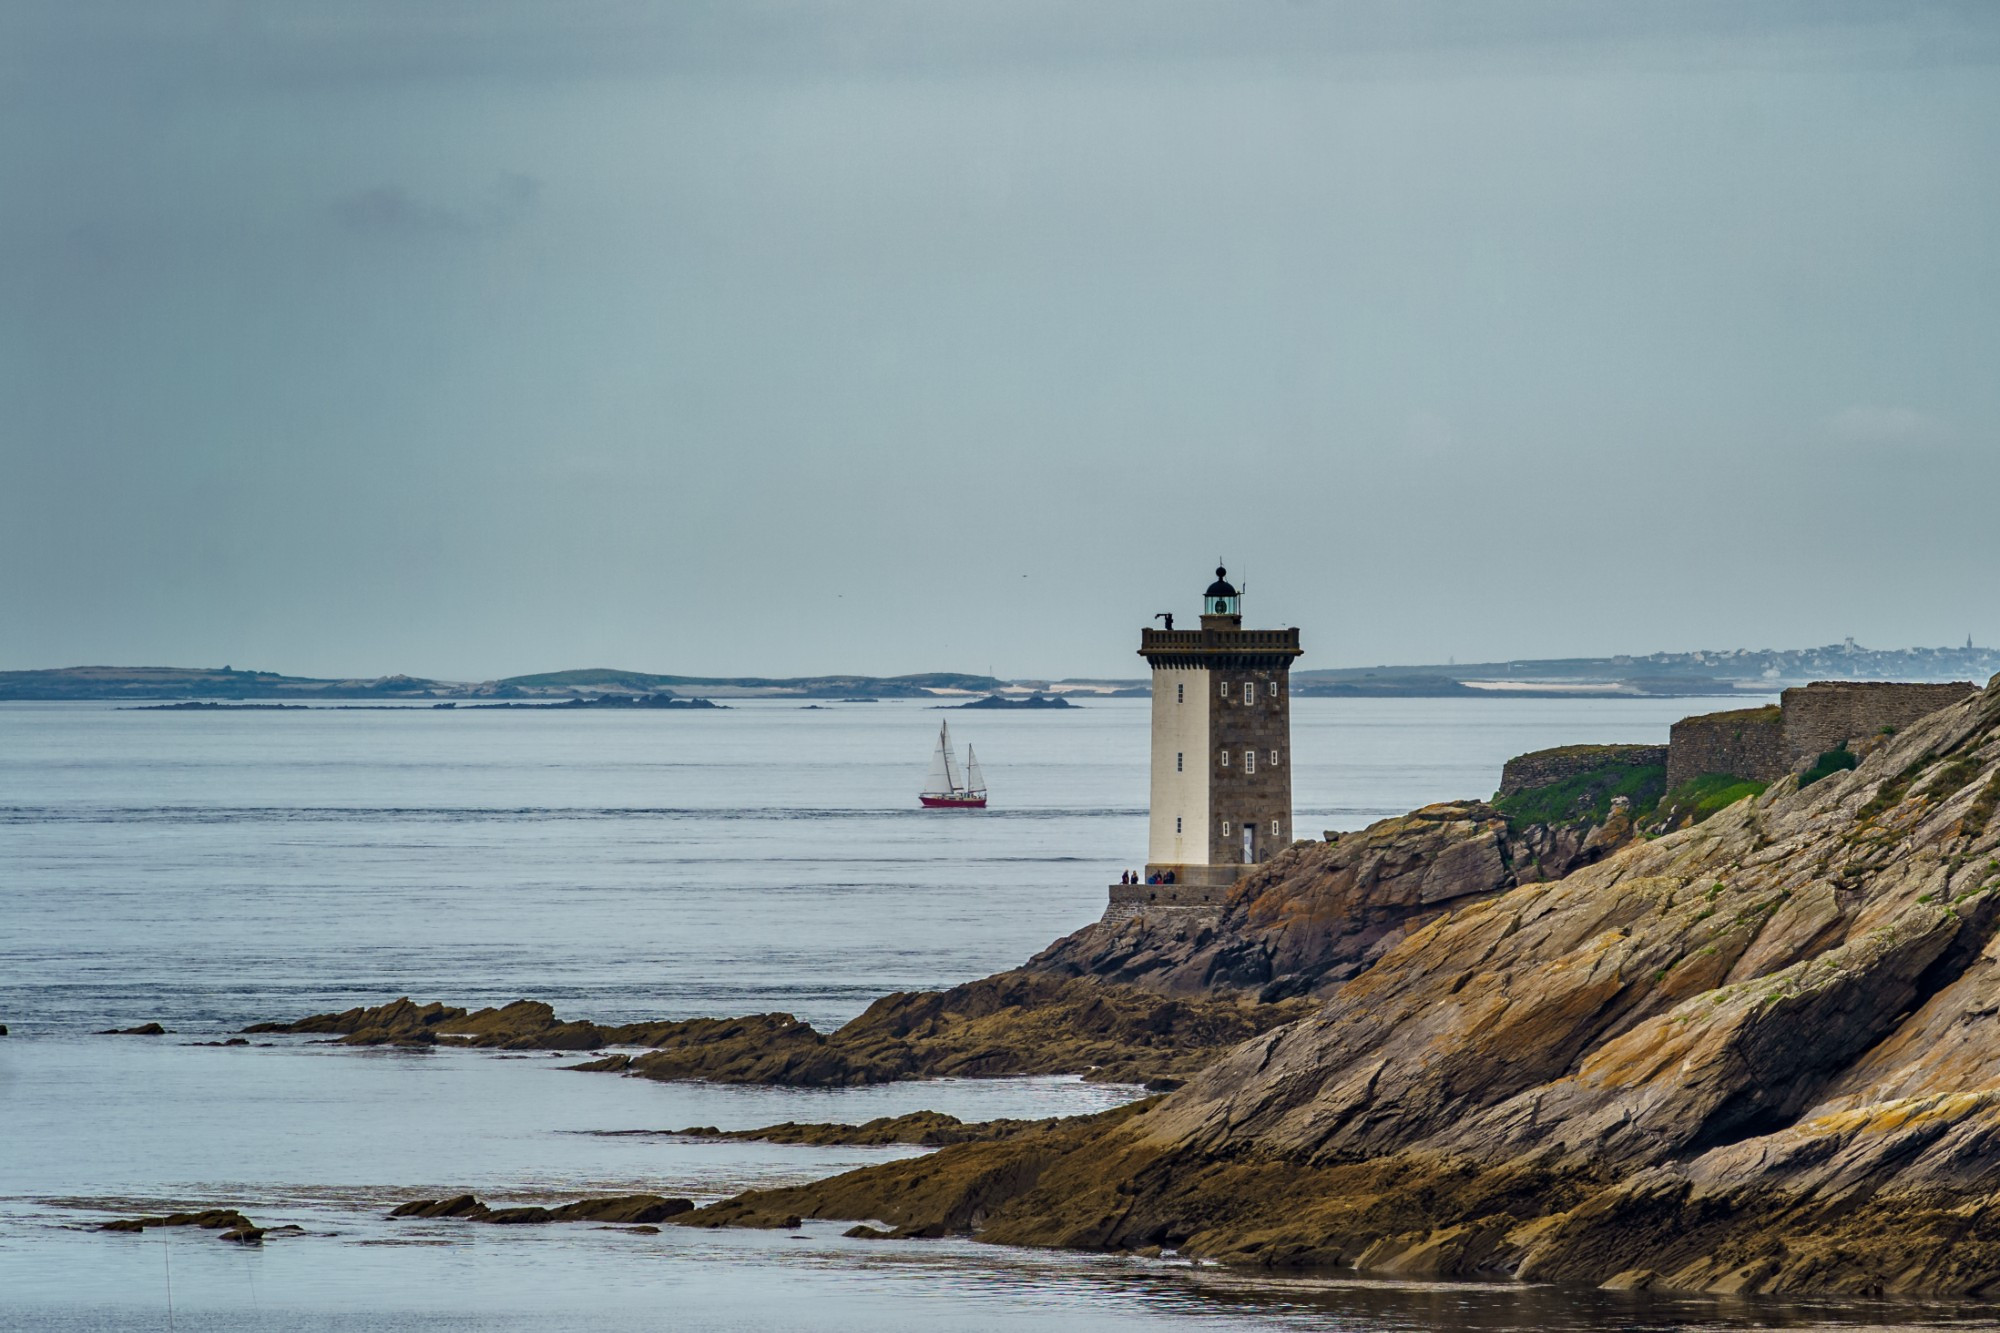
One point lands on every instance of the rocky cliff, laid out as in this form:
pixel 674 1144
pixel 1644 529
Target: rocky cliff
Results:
pixel 1760 1054
pixel 1317 914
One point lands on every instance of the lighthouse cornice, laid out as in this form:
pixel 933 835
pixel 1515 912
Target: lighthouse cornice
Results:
pixel 1237 648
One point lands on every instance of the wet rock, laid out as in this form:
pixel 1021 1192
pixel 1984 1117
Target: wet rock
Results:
pixel 929 1129
pixel 229 1224
pixel 1010 1024
pixel 1631 1279
pixel 622 1210
pixel 143 1030
pixel 458 1205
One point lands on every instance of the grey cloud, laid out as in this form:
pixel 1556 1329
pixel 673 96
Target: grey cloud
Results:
pixel 394 210
pixel 475 336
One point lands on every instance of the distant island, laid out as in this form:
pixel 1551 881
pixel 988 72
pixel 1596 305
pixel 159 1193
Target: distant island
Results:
pixel 1029 701
pixel 628 702
pixel 1732 671
pixel 1655 675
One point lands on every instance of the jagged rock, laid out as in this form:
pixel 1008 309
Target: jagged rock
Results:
pixel 1753 1056
pixel 143 1030
pixel 621 1210
pixel 229 1224
pixel 1004 1025
pixel 929 1129
pixel 1308 919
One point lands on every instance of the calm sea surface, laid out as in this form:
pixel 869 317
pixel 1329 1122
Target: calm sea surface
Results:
pixel 207 870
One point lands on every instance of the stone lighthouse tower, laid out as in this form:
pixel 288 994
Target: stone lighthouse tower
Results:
pixel 1222 748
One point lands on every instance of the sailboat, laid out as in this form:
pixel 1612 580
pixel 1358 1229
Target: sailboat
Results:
pixel 942 791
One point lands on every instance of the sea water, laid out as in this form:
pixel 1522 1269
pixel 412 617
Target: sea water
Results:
pixel 208 869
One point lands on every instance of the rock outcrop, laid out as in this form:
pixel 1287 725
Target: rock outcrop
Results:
pixel 618 1210
pixel 927 1129
pixel 1321 912
pixel 1009 1024
pixel 525 1025
pixel 1756 1055
pixel 227 1223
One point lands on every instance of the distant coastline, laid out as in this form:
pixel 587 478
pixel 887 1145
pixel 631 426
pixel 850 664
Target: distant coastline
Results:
pixel 1702 674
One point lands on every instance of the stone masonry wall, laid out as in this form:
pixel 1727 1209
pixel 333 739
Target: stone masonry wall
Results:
pixel 1767 743
pixel 1544 768
pixel 1822 715
pixel 1258 792
pixel 1748 742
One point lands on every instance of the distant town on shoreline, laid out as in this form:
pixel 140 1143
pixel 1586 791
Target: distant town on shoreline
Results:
pixel 1656 675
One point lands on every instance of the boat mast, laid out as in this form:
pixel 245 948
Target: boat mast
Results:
pixel 944 748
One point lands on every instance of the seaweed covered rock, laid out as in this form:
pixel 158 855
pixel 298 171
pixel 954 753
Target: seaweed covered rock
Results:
pixel 1008 1024
pixel 927 1129
pixel 229 1224
pixel 1005 1025
pixel 618 1210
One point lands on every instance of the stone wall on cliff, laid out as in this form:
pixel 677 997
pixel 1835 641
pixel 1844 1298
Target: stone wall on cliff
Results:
pixel 1748 742
pixel 1767 743
pixel 1545 768
pixel 1826 714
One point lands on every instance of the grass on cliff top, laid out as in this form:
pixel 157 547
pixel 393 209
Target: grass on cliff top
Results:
pixel 1696 800
pixel 1829 763
pixel 1768 715
pixel 1586 797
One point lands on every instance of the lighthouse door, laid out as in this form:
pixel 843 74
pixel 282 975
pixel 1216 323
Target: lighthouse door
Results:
pixel 1249 843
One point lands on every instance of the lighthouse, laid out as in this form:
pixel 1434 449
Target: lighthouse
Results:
pixel 1222 749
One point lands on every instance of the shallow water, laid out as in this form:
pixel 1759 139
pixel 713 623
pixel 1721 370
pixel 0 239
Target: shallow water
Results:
pixel 210 869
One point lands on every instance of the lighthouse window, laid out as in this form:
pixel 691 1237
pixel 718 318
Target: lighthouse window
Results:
pixel 1225 759
pixel 1249 761
pixel 1274 759
pixel 1274 689
pixel 1182 754
pixel 1274 828
pixel 1177 824
pixel 1224 686
pixel 1225 828
pixel 1180 693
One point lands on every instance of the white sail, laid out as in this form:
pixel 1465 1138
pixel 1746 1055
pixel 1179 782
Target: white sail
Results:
pixel 943 779
pixel 973 778
pixel 950 768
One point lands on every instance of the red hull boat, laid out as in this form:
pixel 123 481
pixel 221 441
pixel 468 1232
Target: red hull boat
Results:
pixel 944 791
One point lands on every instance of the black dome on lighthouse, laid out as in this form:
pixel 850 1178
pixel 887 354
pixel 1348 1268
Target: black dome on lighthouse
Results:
pixel 1221 586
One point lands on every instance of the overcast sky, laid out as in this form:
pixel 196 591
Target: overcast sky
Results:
pixel 469 339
